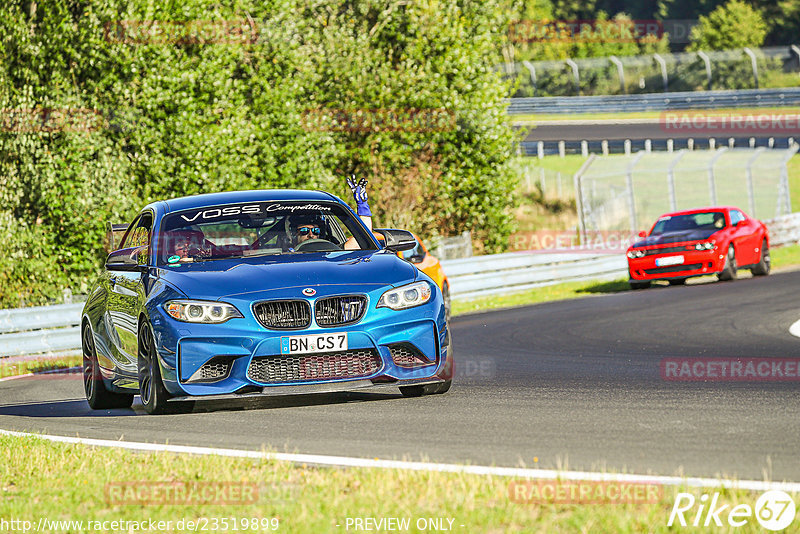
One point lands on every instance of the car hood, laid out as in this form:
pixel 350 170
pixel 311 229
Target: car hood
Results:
pixel 213 280
pixel 675 237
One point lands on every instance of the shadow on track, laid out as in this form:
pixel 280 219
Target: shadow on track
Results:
pixel 80 408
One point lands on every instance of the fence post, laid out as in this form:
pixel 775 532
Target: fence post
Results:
pixel 620 72
pixel 585 149
pixel 796 50
pixel 673 200
pixel 785 176
pixel 751 195
pixel 754 63
pixel 540 149
pixel 575 75
pixel 562 149
pixel 528 65
pixel 663 65
pixel 579 202
pixel 711 185
pixel 702 55
pixel 631 196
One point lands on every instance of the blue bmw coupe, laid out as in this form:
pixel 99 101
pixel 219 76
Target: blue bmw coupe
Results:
pixel 238 294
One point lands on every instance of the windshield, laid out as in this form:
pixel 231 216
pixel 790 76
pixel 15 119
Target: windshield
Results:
pixel 258 229
pixel 709 220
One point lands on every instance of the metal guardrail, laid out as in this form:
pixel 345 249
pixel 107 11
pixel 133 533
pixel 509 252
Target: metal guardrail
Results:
pixel 499 274
pixel 789 96
pixel 40 330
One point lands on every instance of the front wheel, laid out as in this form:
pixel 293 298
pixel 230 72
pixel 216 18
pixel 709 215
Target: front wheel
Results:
pixel 446 297
pixel 678 282
pixel 764 265
pixel 729 271
pixel 151 388
pixel 97 395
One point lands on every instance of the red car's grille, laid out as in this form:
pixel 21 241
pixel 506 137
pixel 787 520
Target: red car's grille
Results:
pixel 667 250
pixel 674 268
pixel 307 367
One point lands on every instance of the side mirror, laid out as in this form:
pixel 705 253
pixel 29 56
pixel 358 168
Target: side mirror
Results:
pixel 642 234
pixel 127 259
pixel 397 240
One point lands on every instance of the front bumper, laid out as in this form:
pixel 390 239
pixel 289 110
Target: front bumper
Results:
pixel 185 348
pixel 695 263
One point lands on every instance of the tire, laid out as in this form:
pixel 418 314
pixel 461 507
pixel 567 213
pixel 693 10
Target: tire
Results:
pixel 446 296
pixel 639 285
pixel 764 265
pixel 678 282
pixel 97 395
pixel 427 389
pixel 151 388
pixel 730 270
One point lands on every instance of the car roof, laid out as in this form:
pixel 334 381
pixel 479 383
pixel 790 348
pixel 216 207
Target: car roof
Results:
pixel 234 197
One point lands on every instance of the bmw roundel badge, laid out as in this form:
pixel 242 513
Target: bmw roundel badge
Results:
pixel 309 292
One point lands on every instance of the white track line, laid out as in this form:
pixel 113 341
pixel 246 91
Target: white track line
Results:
pixel 795 329
pixel 343 461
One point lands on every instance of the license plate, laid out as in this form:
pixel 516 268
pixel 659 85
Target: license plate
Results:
pixel 669 260
pixel 314 343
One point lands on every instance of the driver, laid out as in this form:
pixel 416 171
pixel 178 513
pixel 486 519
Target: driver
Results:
pixel 306 228
pixel 184 243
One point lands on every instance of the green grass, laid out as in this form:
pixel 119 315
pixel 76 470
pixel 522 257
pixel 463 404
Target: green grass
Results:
pixel 784 257
pixel 545 117
pixel 38 366
pixel 68 482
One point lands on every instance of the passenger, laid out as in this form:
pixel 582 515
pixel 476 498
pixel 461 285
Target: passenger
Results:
pixel 184 244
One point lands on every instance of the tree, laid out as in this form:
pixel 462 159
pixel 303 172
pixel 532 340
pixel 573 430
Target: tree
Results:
pixel 733 25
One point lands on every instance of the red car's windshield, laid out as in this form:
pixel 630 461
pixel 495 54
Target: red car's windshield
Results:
pixel 709 220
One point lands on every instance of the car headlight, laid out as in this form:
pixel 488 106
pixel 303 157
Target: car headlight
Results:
pixel 635 253
pixel 406 296
pixel 201 311
pixel 707 245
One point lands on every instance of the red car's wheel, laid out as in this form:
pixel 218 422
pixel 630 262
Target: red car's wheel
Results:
pixel 729 271
pixel 764 265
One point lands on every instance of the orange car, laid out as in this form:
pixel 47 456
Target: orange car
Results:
pixel 428 264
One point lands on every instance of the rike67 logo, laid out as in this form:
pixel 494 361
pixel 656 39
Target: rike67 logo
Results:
pixel 774 510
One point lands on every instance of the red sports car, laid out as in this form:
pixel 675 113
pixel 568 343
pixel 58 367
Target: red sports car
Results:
pixel 699 242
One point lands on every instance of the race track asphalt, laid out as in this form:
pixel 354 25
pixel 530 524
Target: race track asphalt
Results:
pixel 572 384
